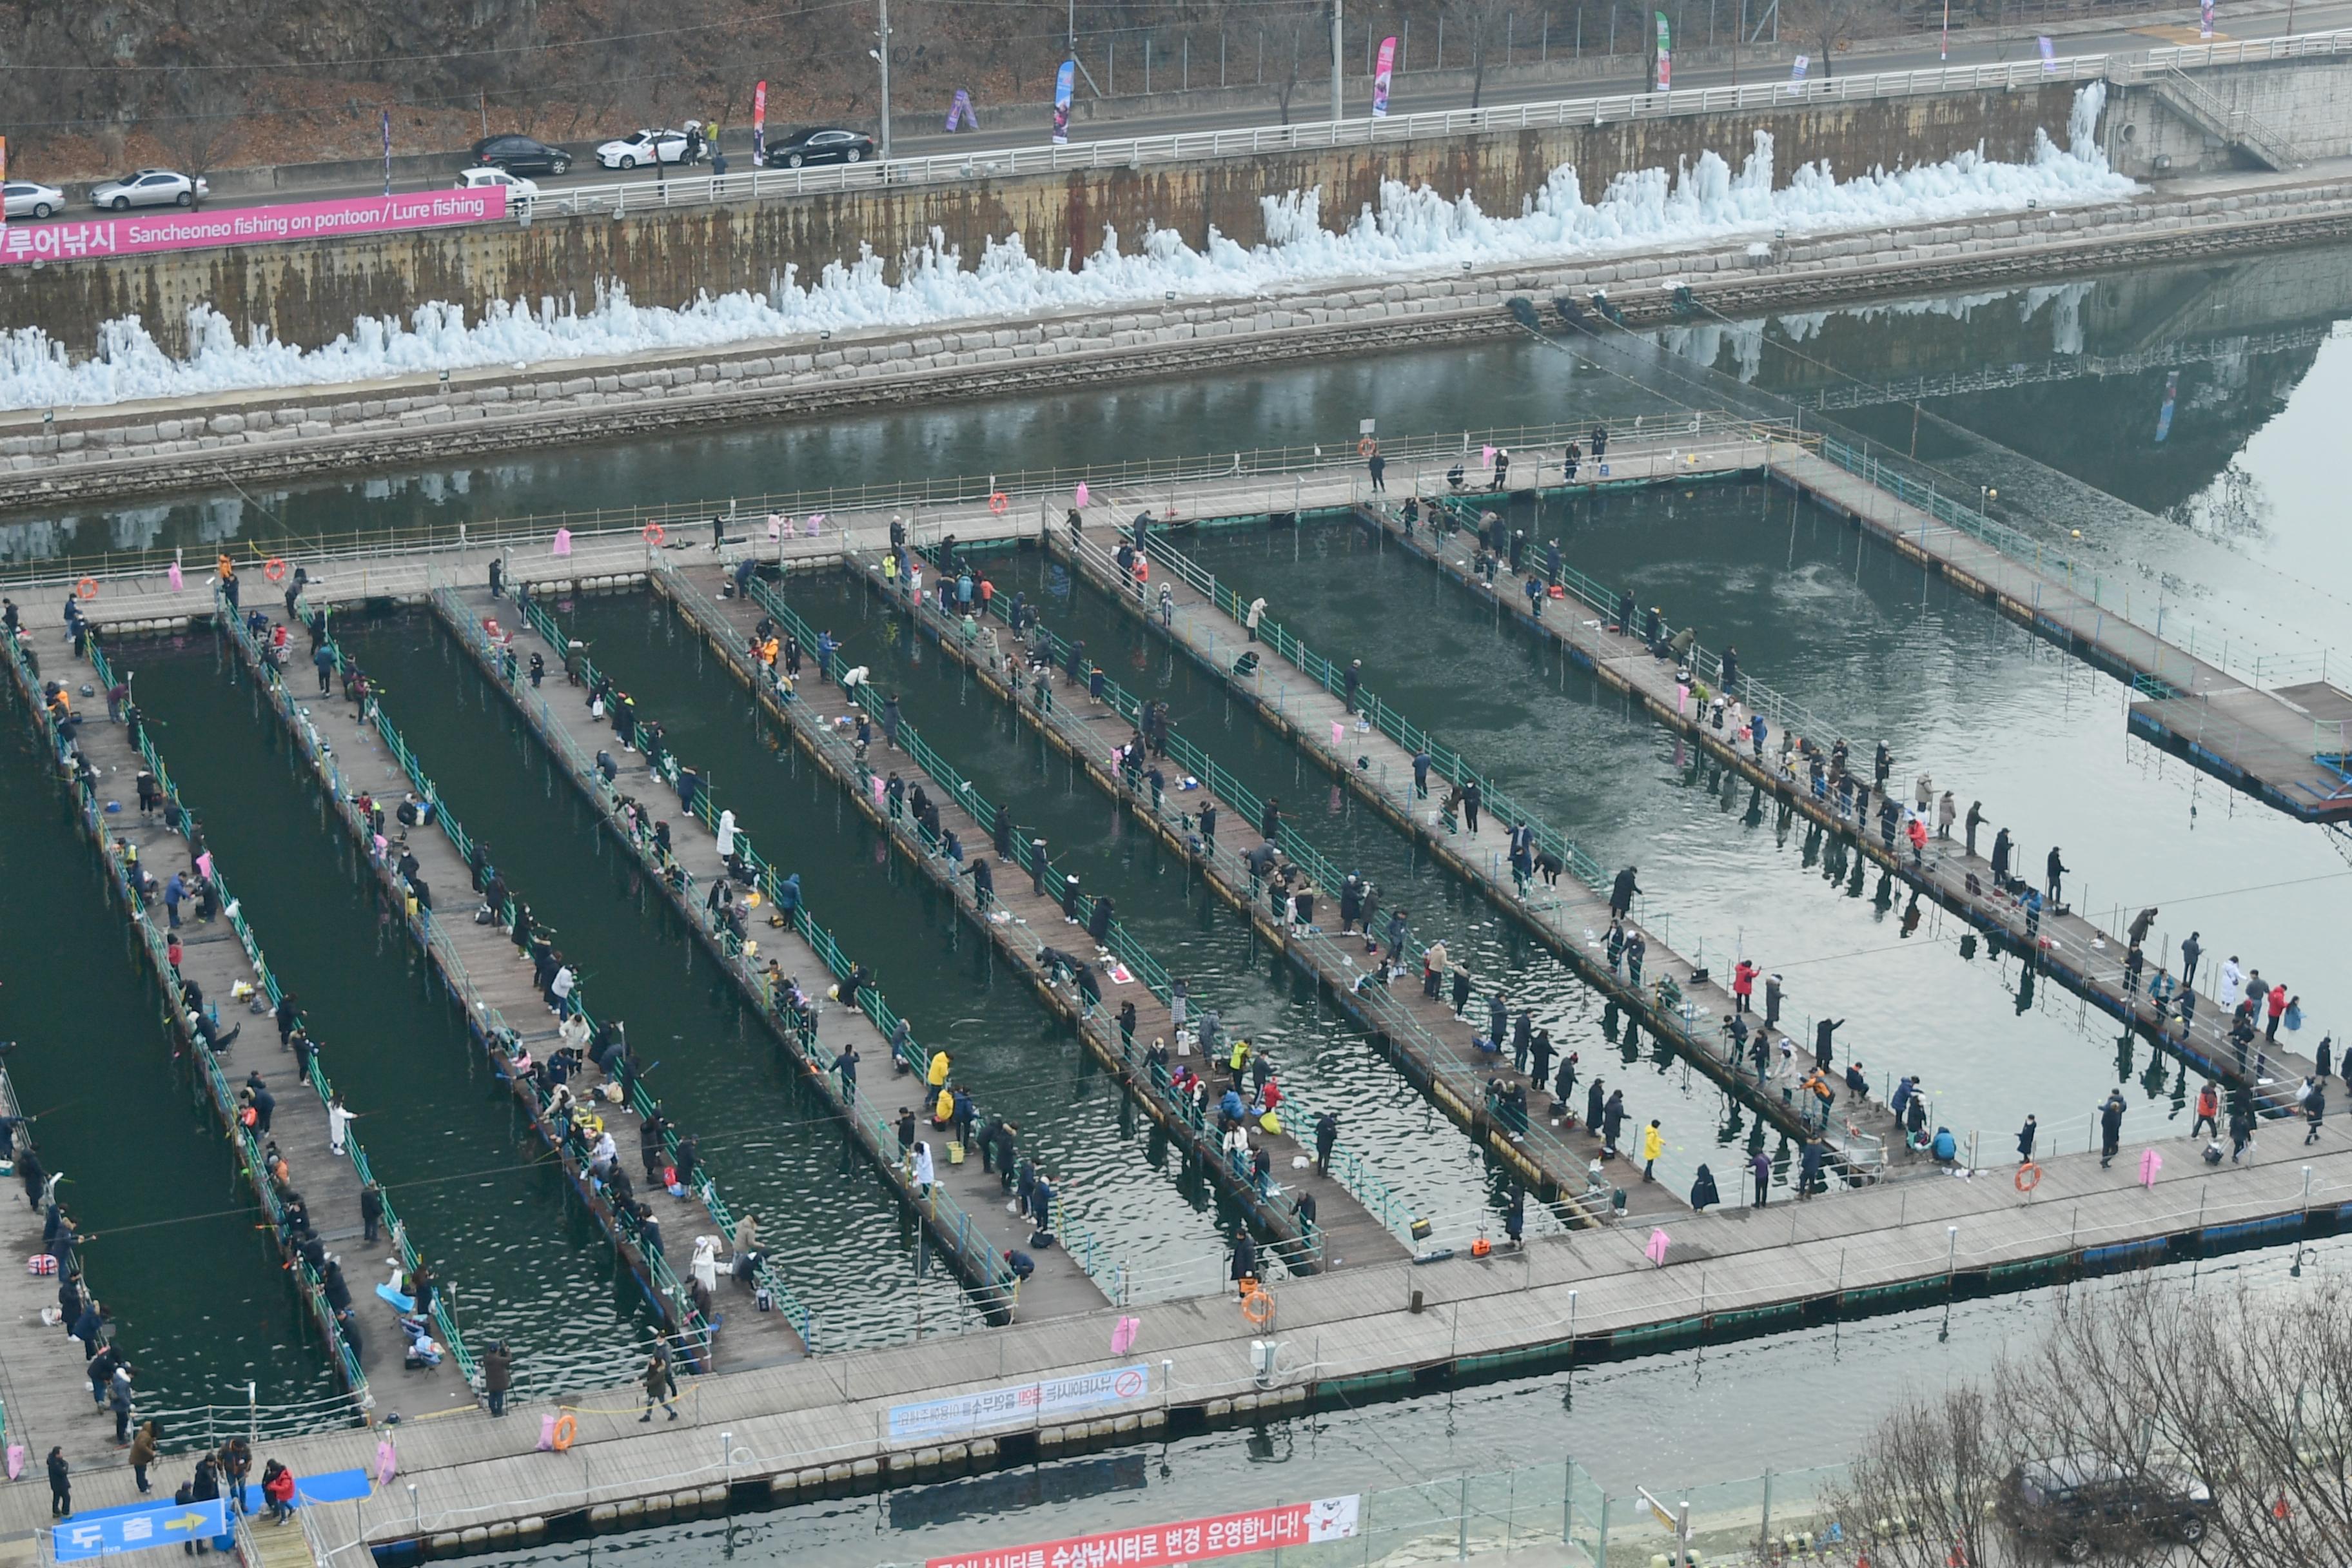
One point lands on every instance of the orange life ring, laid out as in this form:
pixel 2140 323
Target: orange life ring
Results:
pixel 567 1428
pixel 275 570
pixel 2029 1176
pixel 87 588
pixel 1000 503
pixel 1258 1307
pixel 1367 446
pixel 653 534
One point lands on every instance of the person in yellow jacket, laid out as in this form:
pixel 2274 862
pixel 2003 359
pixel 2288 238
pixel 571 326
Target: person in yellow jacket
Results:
pixel 938 1075
pixel 1653 1143
pixel 1237 1063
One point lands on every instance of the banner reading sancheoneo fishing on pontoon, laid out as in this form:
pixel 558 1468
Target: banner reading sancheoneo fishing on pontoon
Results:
pixel 1380 78
pixel 1064 85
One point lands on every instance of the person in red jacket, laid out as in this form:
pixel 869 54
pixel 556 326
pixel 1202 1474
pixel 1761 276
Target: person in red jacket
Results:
pixel 2277 1011
pixel 1743 983
pixel 278 1490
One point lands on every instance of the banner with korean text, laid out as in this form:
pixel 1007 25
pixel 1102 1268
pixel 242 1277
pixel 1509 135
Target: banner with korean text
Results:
pixel 1121 1387
pixel 1189 1541
pixel 137 233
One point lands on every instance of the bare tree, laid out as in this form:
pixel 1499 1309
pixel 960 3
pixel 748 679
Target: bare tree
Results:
pixel 1922 1492
pixel 205 121
pixel 1822 23
pixel 1482 22
pixel 1288 36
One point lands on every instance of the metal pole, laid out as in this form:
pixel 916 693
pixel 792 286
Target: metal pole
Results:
pixel 882 54
pixel 1337 7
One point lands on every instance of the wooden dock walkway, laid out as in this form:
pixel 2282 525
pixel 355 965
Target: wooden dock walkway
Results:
pixel 1025 917
pixel 1422 1036
pixel 973 1235
pixel 2274 745
pixel 821 1428
pixel 2068 947
pixel 44 1395
pixel 354 759
pixel 1566 917
pixel 222 956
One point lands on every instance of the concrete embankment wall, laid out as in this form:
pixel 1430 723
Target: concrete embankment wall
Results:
pixel 2304 104
pixel 308 294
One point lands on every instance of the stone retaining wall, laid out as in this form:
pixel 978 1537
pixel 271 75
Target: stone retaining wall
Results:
pixel 133 450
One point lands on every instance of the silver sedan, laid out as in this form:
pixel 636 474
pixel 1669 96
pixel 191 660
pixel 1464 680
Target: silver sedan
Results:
pixel 148 188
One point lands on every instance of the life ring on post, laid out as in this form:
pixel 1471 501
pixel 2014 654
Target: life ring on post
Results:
pixel 1367 446
pixel 655 533
pixel 1000 503
pixel 275 570
pixel 1258 1305
pixel 567 1428
pixel 2029 1176
pixel 87 588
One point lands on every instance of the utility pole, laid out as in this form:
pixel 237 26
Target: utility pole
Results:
pixel 1336 100
pixel 882 56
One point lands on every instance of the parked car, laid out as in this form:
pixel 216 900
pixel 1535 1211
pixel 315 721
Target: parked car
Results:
pixel 149 188
pixel 642 147
pixel 520 191
pixel 520 156
pixel 821 144
pixel 2078 1506
pixel 27 199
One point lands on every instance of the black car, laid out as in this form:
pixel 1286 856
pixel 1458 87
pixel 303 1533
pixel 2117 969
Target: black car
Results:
pixel 821 144
pixel 2079 1506
pixel 520 156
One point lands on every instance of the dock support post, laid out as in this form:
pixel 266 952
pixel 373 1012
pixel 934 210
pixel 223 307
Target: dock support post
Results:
pixel 1600 1541
pixel 1764 1537
pixel 1462 1520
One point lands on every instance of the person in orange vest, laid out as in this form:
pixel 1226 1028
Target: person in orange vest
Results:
pixel 2209 1110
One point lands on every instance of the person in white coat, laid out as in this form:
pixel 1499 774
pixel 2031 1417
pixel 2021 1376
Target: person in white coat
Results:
pixel 2233 984
pixel 726 833
pixel 923 1173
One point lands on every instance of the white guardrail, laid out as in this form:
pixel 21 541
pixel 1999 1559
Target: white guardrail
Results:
pixel 757 184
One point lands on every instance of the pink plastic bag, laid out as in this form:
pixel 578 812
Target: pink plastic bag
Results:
pixel 547 1434
pixel 1122 1335
pixel 2150 1162
pixel 1078 496
pixel 562 542
pixel 1656 1250
pixel 15 1460
pixel 387 1462
pixel 1339 733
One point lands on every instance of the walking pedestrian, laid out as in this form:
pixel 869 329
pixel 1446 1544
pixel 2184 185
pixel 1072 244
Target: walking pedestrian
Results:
pixel 142 1453
pixel 2111 1127
pixel 1759 1171
pixel 1621 893
pixel 661 1388
pixel 1377 466
pixel 60 1485
pixel 2315 1106
pixel 497 1375
pixel 2189 949
pixel 118 1400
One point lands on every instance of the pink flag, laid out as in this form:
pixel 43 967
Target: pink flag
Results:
pixel 204 864
pixel 562 542
pixel 2150 1162
pixel 809 525
pixel 15 1460
pixel 1339 733
pixel 1078 496
pixel 1122 1335
pixel 175 576
pixel 1486 456
pixel 1656 1250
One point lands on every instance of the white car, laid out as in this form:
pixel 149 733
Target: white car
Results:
pixel 149 188
pixel 642 147
pixel 520 191
pixel 27 199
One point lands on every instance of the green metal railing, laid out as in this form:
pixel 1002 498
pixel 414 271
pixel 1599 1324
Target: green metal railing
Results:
pixel 224 1096
pixel 664 1279
pixel 1394 1018
pixel 1122 941
pixel 1672 1016
pixel 950 1216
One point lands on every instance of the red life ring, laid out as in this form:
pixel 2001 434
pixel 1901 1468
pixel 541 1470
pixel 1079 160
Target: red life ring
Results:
pixel 1367 446
pixel 653 534
pixel 1000 503
pixel 87 588
pixel 275 570
pixel 2029 1176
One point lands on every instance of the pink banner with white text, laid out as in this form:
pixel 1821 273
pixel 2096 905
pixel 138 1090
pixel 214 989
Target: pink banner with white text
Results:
pixel 136 234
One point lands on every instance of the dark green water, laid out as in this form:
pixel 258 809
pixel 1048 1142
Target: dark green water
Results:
pixel 719 1074
pixel 524 1263
pixel 199 1300
pixel 1321 1060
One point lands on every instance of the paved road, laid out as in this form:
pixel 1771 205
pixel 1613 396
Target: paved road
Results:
pixel 1969 46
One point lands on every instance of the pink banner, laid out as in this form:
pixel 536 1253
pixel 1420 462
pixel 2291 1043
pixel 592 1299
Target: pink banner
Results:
pixel 136 234
pixel 1171 1545
pixel 1381 75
